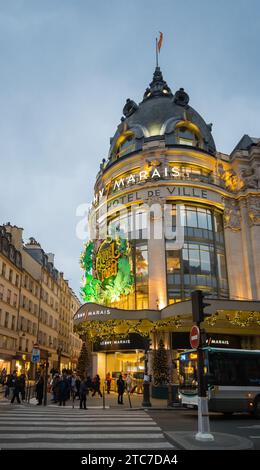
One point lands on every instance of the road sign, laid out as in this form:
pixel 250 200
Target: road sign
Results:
pixel 36 354
pixel 194 337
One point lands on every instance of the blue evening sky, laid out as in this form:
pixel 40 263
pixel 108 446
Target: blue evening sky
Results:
pixel 67 67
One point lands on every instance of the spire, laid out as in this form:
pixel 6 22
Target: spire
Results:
pixel 158 87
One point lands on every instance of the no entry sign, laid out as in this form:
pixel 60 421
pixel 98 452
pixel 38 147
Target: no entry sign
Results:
pixel 194 337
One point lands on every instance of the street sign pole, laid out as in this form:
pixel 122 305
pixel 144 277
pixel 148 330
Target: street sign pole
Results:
pixel 197 340
pixel 203 433
pixel 45 393
pixel 36 354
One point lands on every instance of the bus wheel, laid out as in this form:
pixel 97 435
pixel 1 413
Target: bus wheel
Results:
pixel 257 408
pixel 227 414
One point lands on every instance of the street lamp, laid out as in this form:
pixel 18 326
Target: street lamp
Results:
pixel 146 385
pixel 46 380
pixel 59 351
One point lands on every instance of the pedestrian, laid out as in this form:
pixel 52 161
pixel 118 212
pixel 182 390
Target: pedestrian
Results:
pixel 83 394
pixel 77 384
pixel 63 390
pixel 8 385
pixel 120 389
pixel 39 390
pixel 3 376
pixel 89 384
pixel 96 386
pixel 54 387
pixel 23 384
pixel 108 382
pixel 129 381
pixel 17 390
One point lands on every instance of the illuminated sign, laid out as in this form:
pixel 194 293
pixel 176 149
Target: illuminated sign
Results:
pixel 152 174
pixel 133 341
pixel 85 315
pixel 107 259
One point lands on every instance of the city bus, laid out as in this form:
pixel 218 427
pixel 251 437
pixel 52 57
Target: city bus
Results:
pixel 232 378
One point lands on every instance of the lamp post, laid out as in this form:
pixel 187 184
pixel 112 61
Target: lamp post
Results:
pixel 46 380
pixel 146 384
pixel 59 351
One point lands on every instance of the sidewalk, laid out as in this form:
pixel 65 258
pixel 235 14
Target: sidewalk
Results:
pixel 110 401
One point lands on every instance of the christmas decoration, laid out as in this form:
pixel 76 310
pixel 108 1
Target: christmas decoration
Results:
pixel 107 271
pixel 83 361
pixel 160 365
pixel 121 328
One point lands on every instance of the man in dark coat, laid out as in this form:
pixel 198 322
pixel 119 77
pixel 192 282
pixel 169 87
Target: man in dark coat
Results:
pixel 96 386
pixel 83 393
pixel 120 389
pixel 39 390
pixel 17 390
pixel 63 390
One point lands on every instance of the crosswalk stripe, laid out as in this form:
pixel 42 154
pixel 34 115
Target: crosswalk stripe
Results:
pixel 30 428
pixel 89 435
pixel 93 428
pixel 51 423
pixel 81 413
pixel 89 445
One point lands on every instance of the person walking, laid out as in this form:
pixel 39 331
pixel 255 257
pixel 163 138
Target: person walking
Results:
pixel 108 382
pixel 120 389
pixel 96 386
pixel 129 382
pixel 77 385
pixel 17 390
pixel 54 388
pixel 23 385
pixel 10 384
pixel 39 390
pixel 63 390
pixel 83 393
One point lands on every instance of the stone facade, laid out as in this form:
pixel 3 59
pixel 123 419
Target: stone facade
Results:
pixel 35 305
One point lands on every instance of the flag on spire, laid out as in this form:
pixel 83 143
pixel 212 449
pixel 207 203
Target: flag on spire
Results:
pixel 160 40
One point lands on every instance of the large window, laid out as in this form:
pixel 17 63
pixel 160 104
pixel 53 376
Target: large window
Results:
pixel 201 262
pixel 141 276
pixel 132 224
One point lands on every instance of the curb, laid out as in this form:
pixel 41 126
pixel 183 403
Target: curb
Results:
pixel 186 440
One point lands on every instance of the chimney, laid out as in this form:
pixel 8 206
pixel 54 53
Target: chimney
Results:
pixel 50 258
pixel 16 234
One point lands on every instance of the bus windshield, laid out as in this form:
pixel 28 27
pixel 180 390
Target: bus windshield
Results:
pixel 222 367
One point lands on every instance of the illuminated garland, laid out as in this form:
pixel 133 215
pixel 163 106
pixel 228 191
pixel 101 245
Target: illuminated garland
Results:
pixel 108 290
pixel 122 328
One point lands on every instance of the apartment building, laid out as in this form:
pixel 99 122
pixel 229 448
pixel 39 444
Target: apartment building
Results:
pixel 36 305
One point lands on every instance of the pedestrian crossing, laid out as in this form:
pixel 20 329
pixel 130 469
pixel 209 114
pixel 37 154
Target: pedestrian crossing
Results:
pixel 60 428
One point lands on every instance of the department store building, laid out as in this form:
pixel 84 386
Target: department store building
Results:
pixel 190 218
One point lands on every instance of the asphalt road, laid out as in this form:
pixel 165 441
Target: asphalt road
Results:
pixel 186 420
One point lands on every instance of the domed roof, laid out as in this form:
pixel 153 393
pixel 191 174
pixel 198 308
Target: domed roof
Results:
pixel 165 115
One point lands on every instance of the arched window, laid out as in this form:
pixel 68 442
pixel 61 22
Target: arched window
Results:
pixel 124 144
pixel 188 133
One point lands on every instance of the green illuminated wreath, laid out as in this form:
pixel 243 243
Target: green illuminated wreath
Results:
pixel 112 288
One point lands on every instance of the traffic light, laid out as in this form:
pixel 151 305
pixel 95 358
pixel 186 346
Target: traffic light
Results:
pixel 198 305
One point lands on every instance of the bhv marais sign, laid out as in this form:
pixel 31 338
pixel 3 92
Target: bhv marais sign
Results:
pixel 163 173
